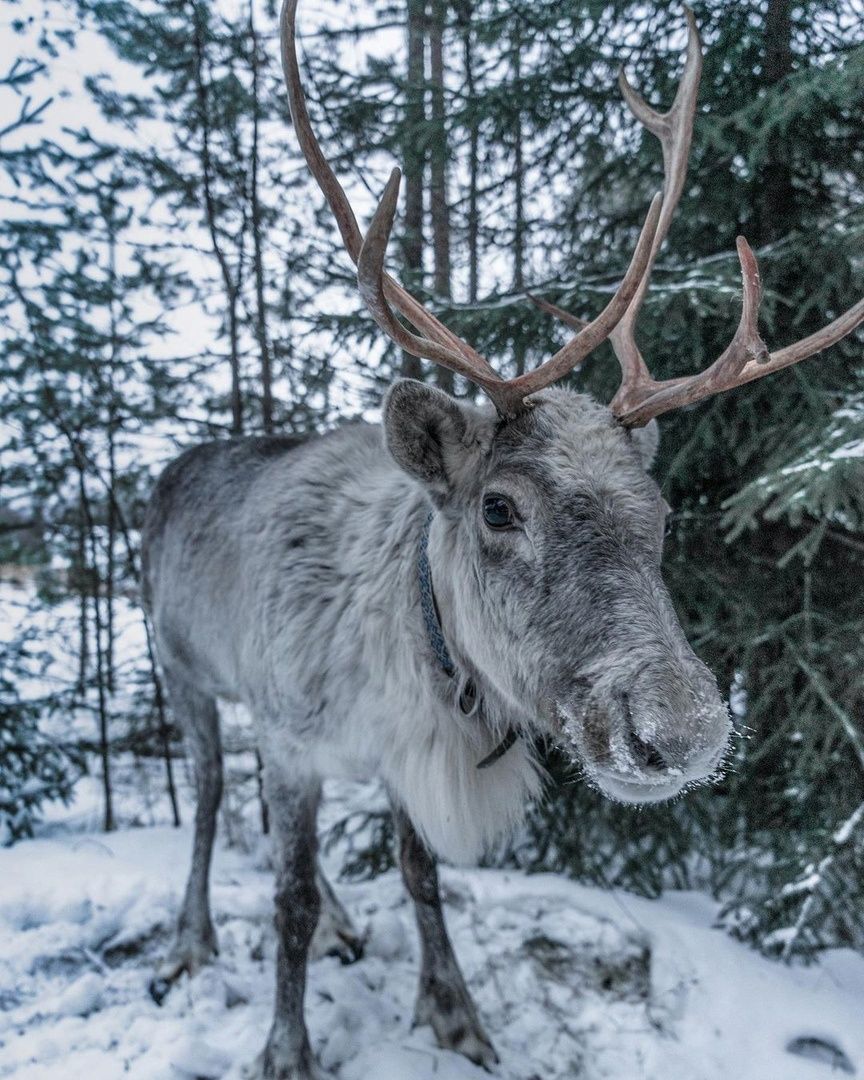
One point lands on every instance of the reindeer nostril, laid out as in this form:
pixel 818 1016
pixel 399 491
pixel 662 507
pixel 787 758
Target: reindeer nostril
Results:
pixel 644 754
pixel 647 755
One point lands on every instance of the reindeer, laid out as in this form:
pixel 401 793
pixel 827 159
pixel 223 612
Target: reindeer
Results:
pixel 420 607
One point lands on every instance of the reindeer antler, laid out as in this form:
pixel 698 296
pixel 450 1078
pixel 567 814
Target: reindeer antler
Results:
pixel 381 293
pixel 641 397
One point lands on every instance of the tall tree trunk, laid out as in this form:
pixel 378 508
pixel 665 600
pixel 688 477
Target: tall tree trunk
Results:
pixel 228 279
pixel 257 254
pixel 158 693
pixel 83 618
pixel 104 743
pixel 104 719
pixel 164 727
pixel 110 549
pixel 260 320
pixel 439 207
pixel 518 195
pixel 413 156
pixel 264 351
pixel 473 222
pixel 114 351
pixel 776 196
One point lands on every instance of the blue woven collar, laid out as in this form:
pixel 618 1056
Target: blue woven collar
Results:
pixel 469 701
pixel 427 603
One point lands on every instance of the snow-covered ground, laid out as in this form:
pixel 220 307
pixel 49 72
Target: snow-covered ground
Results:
pixel 571 981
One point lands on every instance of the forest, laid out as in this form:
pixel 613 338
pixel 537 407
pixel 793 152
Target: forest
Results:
pixel 170 273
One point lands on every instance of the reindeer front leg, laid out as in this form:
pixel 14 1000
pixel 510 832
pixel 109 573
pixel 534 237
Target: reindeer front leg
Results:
pixel 293 806
pixel 443 1000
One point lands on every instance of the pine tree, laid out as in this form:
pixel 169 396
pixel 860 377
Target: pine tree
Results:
pixel 35 769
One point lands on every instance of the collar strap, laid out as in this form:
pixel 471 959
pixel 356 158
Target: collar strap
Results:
pixel 469 701
pixel 428 605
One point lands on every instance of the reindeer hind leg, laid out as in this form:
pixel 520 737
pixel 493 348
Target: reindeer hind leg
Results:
pixel 335 934
pixel 195 940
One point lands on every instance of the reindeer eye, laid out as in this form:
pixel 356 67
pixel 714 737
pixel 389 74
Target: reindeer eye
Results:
pixel 498 513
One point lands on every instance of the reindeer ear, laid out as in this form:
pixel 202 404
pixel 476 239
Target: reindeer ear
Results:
pixel 647 440
pixel 425 431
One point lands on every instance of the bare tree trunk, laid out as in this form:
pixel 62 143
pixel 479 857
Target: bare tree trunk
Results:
pixel 164 728
pixel 257 256
pixel 110 561
pixel 83 629
pixel 260 321
pixel 439 207
pixel 104 744
pixel 228 280
pixel 776 199
pixel 518 197
pixel 473 224
pixel 262 800
pixel 414 159
pixel 104 737
pixel 112 449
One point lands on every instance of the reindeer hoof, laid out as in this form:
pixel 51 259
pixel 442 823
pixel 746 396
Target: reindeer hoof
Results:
pixel 268 1066
pixel 158 989
pixel 187 955
pixel 475 1046
pixel 349 948
pixel 258 1072
pixel 470 1043
pixel 346 944
pixel 452 1016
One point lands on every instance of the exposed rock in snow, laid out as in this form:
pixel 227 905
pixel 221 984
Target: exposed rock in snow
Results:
pixel 817 1049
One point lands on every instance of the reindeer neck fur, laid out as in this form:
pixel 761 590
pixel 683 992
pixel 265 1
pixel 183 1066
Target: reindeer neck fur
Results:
pixel 400 711
pixel 458 808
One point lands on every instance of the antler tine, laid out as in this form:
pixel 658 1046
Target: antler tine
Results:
pixel 318 165
pixel 746 347
pixel 558 312
pixel 339 204
pixel 514 394
pixel 747 357
pixel 509 395
pixel 371 280
pixel 674 130
pixel 829 335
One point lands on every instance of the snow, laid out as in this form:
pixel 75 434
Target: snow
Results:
pixel 844 833
pixel 571 981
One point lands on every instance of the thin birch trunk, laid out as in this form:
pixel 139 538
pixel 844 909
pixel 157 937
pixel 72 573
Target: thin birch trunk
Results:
pixel 518 196
pixel 228 280
pixel 112 449
pixel 473 223
pixel 414 160
pixel 164 727
pixel 257 246
pixel 439 207
pixel 104 736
